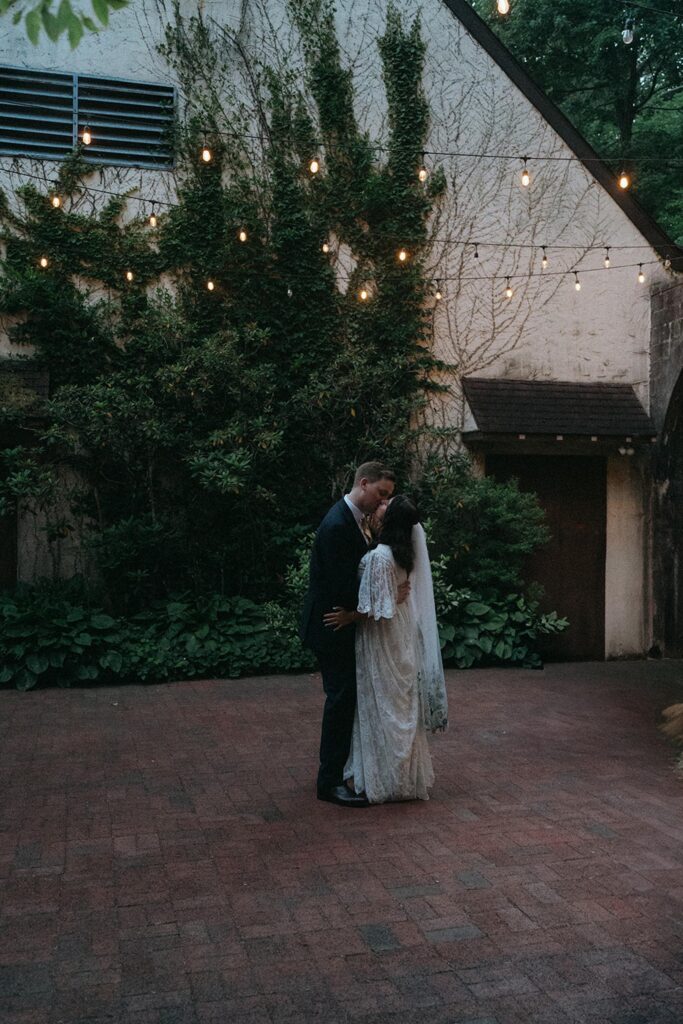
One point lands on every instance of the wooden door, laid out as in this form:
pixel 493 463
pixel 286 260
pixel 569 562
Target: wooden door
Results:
pixel 571 567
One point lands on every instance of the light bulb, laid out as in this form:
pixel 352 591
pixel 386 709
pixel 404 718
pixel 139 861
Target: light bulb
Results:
pixel 56 202
pixel 363 294
pixel 438 295
pixel 326 247
pixel 544 261
pixel 129 275
pixel 526 177
pixel 503 6
pixel 627 33
pixel 210 285
pixel 476 251
pixel 206 154
pixel 402 255
pixel 577 283
pixel 641 275
pixel 290 293
pixel 607 257
pixel 624 180
pixel 87 137
pixel 314 166
pixel 508 289
pixel 242 235
pixel 152 219
pixel 43 261
pixel 423 174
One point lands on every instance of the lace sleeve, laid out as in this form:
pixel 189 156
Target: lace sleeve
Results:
pixel 378 593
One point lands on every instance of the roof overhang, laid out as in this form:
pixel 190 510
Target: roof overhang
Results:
pixel 563 415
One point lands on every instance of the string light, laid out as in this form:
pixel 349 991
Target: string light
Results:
pixel 206 153
pixel 544 260
pixel 210 285
pixel 508 288
pixel 402 255
pixel 242 235
pixel 624 180
pixel 503 6
pixel 43 262
pixel 526 177
pixel 423 173
pixel 314 166
pixel 290 293
pixel 325 247
pixel 363 295
pixel 607 261
pixel 627 33
pixel 86 136
pixel 641 275
pixel 152 217
pixel 577 283
pixel 129 275
pixel 56 201
pixel 476 251
pixel 438 294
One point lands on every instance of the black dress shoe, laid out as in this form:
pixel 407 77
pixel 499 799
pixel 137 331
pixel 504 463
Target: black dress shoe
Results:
pixel 343 796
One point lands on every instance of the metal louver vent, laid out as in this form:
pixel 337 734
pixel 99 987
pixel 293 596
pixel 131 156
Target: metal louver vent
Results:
pixel 130 122
pixel 42 114
pixel 36 113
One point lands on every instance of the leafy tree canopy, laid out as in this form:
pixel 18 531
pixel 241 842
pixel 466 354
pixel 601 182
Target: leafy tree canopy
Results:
pixel 626 99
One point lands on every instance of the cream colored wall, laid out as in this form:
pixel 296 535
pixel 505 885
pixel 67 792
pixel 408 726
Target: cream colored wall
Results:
pixel 627 562
pixel 548 331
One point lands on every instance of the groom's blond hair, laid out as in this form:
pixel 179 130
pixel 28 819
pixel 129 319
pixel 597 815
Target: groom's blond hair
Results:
pixel 373 471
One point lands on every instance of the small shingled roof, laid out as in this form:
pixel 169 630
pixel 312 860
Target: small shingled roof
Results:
pixel 555 407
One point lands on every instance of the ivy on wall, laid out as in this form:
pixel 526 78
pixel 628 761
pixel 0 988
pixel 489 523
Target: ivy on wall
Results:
pixel 205 431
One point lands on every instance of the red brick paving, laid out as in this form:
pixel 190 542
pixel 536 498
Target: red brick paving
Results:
pixel 163 859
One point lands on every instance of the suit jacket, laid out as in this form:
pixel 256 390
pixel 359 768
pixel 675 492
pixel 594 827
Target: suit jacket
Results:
pixel 337 549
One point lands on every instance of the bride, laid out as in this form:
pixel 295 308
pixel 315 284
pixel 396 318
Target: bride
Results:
pixel 400 682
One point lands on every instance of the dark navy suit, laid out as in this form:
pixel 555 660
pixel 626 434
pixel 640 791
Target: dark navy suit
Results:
pixel 338 547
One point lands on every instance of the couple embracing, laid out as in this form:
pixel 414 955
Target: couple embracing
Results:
pixel 369 617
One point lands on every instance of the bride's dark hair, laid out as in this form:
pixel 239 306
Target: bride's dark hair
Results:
pixel 397 528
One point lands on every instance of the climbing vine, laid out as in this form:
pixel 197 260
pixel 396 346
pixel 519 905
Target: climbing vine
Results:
pixel 196 435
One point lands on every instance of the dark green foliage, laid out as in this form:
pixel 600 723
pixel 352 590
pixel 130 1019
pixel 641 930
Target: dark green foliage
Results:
pixel 50 635
pixel 485 528
pixel 211 429
pixel 476 630
pixel 627 100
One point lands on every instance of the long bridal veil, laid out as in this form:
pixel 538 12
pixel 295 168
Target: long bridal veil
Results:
pixel 423 613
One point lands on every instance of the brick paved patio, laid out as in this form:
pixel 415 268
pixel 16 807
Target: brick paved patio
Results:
pixel 163 859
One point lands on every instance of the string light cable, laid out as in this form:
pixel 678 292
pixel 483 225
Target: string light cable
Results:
pixel 440 239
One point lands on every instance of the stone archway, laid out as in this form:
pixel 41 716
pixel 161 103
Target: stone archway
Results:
pixel 668 538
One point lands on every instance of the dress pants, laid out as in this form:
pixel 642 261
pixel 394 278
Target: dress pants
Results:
pixel 338 669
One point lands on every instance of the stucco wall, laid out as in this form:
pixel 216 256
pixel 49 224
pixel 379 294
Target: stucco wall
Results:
pixel 627 558
pixel 548 330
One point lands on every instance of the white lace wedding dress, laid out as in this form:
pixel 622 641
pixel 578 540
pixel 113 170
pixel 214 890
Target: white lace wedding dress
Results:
pixel 389 758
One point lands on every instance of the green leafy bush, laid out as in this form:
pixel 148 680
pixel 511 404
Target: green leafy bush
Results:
pixel 48 635
pixel 486 631
pixel 486 528
pixel 45 637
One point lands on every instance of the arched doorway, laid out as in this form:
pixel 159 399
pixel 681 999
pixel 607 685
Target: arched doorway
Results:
pixel 668 554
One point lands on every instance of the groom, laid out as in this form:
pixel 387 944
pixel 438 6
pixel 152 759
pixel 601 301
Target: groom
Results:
pixel 340 542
